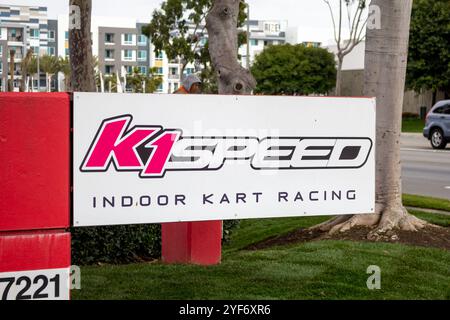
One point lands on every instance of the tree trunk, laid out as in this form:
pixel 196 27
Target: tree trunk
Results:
pixel 12 54
pixel 339 76
pixel 23 80
pixel 80 46
pixel 221 23
pixel 385 70
pixel 434 97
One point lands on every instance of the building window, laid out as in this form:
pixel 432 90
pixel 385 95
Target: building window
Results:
pixel 159 71
pixel 142 55
pixel 312 44
pixel 159 56
pixel 51 35
pixel 109 54
pixel 34 33
pixel 1 51
pixel 35 50
pixel 66 35
pixel 15 35
pixel 176 86
pixel 189 71
pixel 142 40
pixel 160 88
pixel 17 52
pixel 253 42
pixel 128 55
pixel 109 38
pixel 128 69
pixel 128 38
pixel 67 52
pixel 142 70
pixel 51 51
pixel 109 69
pixel 1 67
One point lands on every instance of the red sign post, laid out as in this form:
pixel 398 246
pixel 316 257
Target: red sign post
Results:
pixel 34 195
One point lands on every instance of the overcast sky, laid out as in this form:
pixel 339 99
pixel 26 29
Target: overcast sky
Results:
pixel 311 16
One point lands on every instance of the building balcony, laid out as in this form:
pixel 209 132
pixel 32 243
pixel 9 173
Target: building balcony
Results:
pixel 17 58
pixel 18 38
pixel 174 76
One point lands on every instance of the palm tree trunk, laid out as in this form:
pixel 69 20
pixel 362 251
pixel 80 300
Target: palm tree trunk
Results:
pixel 80 44
pixel 12 54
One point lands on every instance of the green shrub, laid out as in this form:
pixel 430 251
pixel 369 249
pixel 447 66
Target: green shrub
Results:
pixel 229 226
pixel 115 244
pixel 123 244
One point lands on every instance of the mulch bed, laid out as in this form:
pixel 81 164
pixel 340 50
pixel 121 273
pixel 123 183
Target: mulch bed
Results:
pixel 433 237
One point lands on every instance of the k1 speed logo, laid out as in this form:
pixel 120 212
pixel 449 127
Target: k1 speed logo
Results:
pixel 154 150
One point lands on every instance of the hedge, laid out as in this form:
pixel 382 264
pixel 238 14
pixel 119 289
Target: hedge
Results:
pixel 123 244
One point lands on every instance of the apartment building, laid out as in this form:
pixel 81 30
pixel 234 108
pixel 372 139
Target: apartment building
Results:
pixel 22 28
pixel 262 34
pixel 122 49
pixel 118 43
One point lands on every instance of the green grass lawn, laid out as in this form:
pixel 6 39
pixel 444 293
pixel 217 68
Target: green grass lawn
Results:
pixel 413 125
pixel 315 270
pixel 426 202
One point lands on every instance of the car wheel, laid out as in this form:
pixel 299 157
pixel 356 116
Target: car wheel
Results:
pixel 437 139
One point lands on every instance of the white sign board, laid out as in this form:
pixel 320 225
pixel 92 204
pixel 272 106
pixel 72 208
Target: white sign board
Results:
pixel 170 158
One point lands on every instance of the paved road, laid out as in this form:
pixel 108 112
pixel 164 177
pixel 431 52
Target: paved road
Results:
pixel 425 171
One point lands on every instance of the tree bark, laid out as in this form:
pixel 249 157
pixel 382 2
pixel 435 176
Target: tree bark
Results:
pixel 385 71
pixel 80 46
pixel 12 54
pixel 434 97
pixel 24 70
pixel 221 23
pixel 339 76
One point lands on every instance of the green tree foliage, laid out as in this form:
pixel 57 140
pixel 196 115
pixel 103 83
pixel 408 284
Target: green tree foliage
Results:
pixel 65 68
pixel 137 81
pixel 429 48
pixel 169 30
pixel 294 70
pixel 49 64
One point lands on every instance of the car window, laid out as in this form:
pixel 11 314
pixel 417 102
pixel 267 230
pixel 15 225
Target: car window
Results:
pixel 439 110
pixel 447 109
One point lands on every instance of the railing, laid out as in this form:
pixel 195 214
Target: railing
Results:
pixel 18 38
